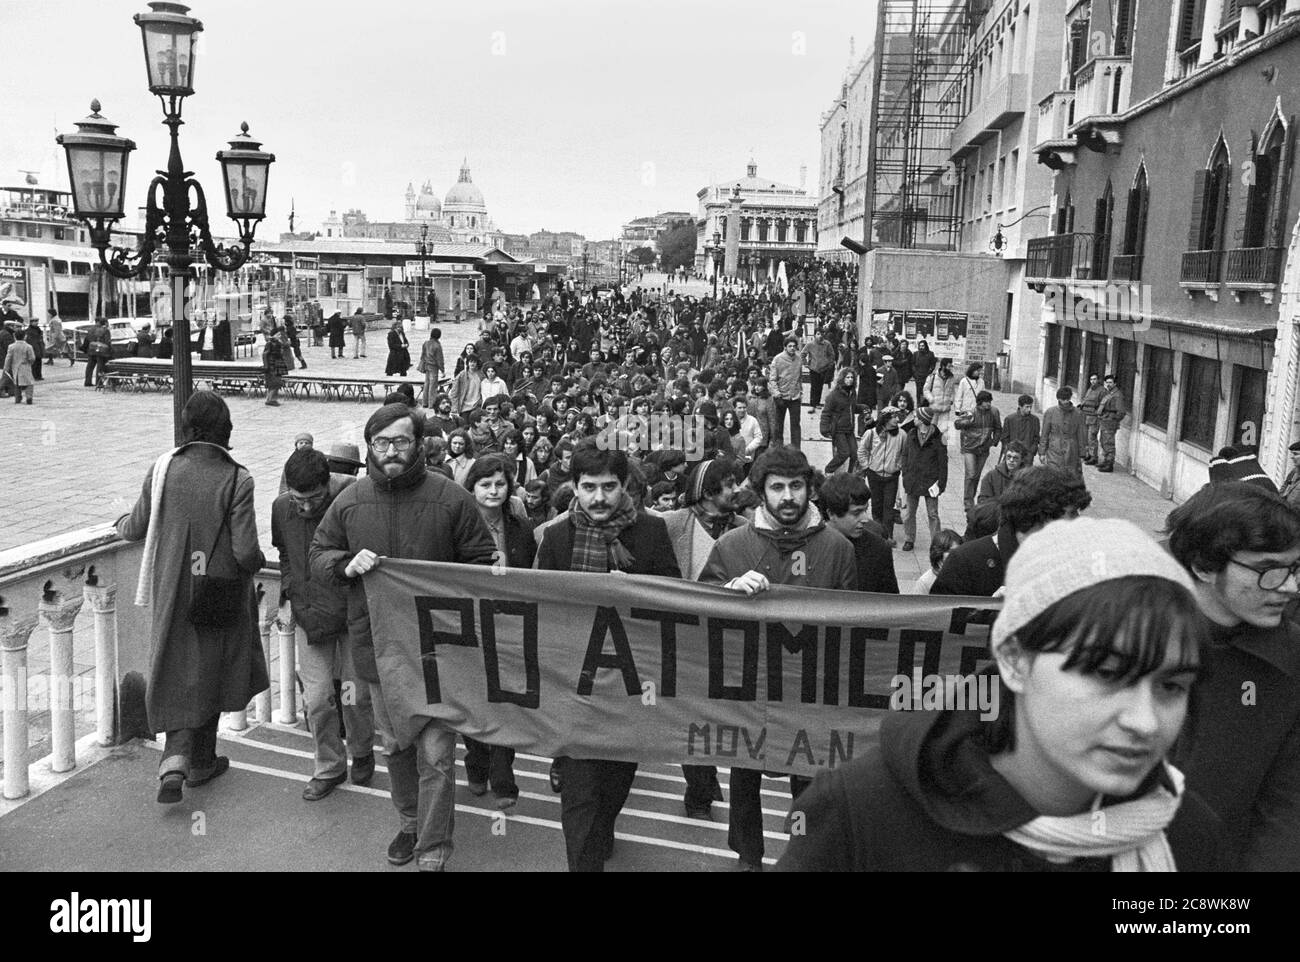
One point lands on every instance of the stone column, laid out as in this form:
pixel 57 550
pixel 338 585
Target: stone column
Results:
pixel 285 629
pixel 103 602
pixel 13 702
pixel 57 617
pixel 731 260
pixel 262 700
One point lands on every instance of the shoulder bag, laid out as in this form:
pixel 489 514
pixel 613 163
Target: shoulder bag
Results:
pixel 214 602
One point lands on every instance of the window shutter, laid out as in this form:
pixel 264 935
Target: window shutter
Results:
pixel 1242 236
pixel 1145 203
pixel 1131 214
pixel 1124 26
pixel 1196 230
pixel 1281 190
pixel 1189 19
pixel 1219 213
pixel 1229 12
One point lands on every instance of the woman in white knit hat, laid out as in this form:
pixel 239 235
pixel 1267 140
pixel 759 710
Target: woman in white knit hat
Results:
pixel 1097 647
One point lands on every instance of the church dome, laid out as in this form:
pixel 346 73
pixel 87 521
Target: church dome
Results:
pixel 428 202
pixel 463 193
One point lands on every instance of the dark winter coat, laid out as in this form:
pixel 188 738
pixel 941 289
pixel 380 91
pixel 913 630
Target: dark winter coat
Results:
pixel 827 560
pixel 1024 428
pixel 320 609
pixel 1242 754
pixel 874 559
pixel 977 567
pixel 993 484
pixel 924 464
pixel 837 415
pixel 646 540
pixel 416 515
pixel 194 673
pixel 928 799
pixel 923 363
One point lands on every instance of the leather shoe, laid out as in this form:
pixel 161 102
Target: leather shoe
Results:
pixel 169 788
pixel 477 788
pixel 218 767
pixel 318 788
pixel 363 769
pixel 402 848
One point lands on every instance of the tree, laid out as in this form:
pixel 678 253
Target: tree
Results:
pixel 645 256
pixel 677 246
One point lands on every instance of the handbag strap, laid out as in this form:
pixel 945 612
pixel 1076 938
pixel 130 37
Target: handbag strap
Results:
pixel 225 516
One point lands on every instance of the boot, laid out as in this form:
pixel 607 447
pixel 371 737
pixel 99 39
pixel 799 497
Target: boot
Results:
pixel 1106 467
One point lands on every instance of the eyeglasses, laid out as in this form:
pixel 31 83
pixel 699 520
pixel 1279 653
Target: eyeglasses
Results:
pixel 302 502
pixel 1271 579
pixel 400 445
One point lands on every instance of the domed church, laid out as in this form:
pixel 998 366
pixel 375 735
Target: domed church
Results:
pixel 462 214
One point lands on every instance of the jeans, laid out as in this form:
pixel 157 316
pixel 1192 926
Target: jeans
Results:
pixel 423 780
pixel 591 796
pixel 1107 439
pixel 745 827
pixel 92 362
pixel 1090 428
pixel 317 665
pixel 845 452
pixel 491 765
pixel 359 345
pixel 783 406
pixel 190 749
pixel 884 491
pixel 430 387
pixel 909 516
pixel 974 464
pixel 701 787
pixel 817 380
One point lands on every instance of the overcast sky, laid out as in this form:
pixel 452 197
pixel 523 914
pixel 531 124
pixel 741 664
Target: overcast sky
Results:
pixel 574 114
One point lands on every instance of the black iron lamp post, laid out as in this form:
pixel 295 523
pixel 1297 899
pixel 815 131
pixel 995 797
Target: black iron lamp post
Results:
pixel 717 261
pixel 424 252
pixel 177 214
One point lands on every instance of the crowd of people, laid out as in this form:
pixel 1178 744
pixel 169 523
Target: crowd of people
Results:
pixel 1121 660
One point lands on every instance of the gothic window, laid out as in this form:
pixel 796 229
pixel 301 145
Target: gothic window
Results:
pixel 1210 202
pixel 1135 215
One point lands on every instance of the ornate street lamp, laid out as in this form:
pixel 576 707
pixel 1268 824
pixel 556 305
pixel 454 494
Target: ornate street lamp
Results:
pixel 177 213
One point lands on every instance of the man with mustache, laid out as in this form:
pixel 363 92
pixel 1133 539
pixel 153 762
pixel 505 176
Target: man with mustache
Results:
pixel 787 543
pixel 400 510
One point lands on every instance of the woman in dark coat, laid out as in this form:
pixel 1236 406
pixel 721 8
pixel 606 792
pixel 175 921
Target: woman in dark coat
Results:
pixel 196 512
pixel 336 326
pixel 222 347
pixel 399 355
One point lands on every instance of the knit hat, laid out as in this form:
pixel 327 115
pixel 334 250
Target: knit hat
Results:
pixel 1239 464
pixel 707 410
pixel 1069 555
pixel 303 436
pixel 925 416
pixel 705 475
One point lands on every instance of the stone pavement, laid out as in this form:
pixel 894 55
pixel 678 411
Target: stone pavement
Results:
pixel 78 457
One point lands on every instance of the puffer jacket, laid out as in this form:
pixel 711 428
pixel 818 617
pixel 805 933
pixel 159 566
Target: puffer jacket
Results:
pixel 924 465
pixel 416 515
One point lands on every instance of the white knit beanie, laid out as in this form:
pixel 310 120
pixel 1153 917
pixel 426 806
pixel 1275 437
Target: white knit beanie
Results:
pixel 1069 555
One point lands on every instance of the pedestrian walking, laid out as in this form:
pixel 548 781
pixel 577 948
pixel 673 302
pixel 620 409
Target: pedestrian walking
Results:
pixel 336 327
pixel 837 422
pixel 99 346
pixel 924 475
pixel 787 382
pixel 400 510
pixel 1022 426
pixel 1014 457
pixel 1111 412
pixel 196 517
pixel 845 503
pixel 274 366
pixel 604 531
pixel 431 365
pixel 36 341
pixel 357 324
pixel 399 355
pixel 1064 435
pixel 787 543
pixel 19 361
pixel 1088 408
pixel 980 429
pixel 294 341
pixel 880 453
pixel 319 611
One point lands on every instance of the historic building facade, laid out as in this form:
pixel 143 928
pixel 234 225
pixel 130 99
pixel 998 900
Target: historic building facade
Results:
pixel 1171 258
pixel 776 222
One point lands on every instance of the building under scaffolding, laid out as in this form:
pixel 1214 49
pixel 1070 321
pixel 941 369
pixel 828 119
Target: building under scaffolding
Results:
pixel 920 64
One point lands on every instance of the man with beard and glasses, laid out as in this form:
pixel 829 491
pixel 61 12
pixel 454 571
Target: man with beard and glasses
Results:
pixel 605 531
pixel 787 543
pixel 400 510
pixel 320 612
pixel 710 513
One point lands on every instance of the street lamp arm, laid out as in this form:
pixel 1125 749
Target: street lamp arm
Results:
pixel 220 256
pixel 122 262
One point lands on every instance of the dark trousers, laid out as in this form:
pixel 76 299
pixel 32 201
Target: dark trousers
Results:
pixel 884 492
pixel 491 765
pixel 592 794
pixel 36 370
pixel 702 788
pixel 796 431
pixel 745 828
pixel 817 380
pixel 845 451
pixel 92 362
pixel 197 747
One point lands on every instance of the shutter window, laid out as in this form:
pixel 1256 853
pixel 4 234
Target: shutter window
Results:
pixel 1124 26
pixel 1189 23
pixel 1196 231
pixel 1145 198
pixel 1281 189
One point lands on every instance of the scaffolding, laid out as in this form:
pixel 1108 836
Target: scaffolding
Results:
pixel 918 99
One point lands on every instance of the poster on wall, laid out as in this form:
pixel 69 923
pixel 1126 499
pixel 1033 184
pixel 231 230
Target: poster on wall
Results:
pixel 922 321
pixel 977 339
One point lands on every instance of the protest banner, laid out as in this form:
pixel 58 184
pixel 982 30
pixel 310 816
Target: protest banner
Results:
pixel 647 669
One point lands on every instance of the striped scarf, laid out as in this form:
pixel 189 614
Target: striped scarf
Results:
pixel 596 547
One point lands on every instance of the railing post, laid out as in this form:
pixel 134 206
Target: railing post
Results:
pixel 262 700
pixel 103 602
pixel 13 701
pixel 57 618
pixel 288 660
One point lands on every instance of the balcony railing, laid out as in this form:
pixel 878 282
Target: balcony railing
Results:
pixel 1254 265
pixel 1126 267
pixel 1201 267
pixel 69 633
pixel 1062 256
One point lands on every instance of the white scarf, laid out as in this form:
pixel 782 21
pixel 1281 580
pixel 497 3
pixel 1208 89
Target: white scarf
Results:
pixel 144 586
pixel 1132 833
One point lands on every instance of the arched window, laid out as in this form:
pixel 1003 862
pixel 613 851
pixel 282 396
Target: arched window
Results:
pixel 1210 201
pixel 1101 225
pixel 1135 224
pixel 1261 227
